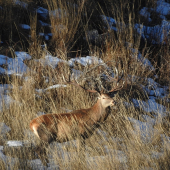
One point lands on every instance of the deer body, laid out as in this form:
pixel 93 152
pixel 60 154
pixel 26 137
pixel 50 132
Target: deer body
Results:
pixel 79 122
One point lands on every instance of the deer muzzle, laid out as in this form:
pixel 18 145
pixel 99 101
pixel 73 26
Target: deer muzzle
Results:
pixel 113 103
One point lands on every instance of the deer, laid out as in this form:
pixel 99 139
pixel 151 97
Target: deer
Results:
pixel 78 124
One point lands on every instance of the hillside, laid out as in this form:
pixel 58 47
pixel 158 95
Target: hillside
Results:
pixel 44 43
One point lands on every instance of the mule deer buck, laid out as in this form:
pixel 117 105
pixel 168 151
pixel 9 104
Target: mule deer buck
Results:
pixel 76 124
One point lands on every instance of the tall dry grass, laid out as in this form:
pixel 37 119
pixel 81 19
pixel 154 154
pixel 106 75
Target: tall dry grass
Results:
pixel 115 136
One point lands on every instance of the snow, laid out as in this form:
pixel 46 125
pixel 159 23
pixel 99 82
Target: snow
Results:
pixel 143 130
pixel 88 60
pixel 1 148
pixel 149 120
pixel 157 34
pixel 44 24
pixel 24 26
pixel 5 100
pixel 159 92
pixel 47 37
pixel 22 55
pixel 22 4
pixel 56 86
pixel 41 34
pixel 42 12
pixel 144 61
pixel 3 59
pixel 118 155
pixel 163 7
pixel 154 90
pixel 15 143
pixel 76 74
pixel 151 106
pixel 4 128
pixel 110 22
pixel 14 65
pixel 50 34
pixel 144 12
pixel 49 60
pixel 37 164
pixel 50 87
pixel 9 162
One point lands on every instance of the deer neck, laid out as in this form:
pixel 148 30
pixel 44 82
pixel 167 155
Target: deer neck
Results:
pixel 97 111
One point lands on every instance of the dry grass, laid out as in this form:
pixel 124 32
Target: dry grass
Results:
pixel 115 137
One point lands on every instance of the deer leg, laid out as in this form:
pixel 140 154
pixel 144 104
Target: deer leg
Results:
pixel 46 134
pixel 41 151
pixel 46 138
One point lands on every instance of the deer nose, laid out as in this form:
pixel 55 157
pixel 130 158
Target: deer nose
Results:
pixel 113 103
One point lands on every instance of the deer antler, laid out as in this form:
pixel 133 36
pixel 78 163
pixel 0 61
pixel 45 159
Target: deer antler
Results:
pixel 118 87
pixel 117 80
pixel 78 85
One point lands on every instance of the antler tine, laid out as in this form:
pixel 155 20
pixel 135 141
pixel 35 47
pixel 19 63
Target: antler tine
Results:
pixel 76 84
pixel 118 79
pixel 117 88
pixel 117 76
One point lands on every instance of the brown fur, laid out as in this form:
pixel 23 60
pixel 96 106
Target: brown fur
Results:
pixel 66 126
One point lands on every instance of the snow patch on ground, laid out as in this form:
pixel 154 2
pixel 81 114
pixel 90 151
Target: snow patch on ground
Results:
pixel 22 4
pixel 151 106
pixel 42 12
pixel 143 130
pixel 24 26
pixel 14 65
pixel 4 128
pixel 157 34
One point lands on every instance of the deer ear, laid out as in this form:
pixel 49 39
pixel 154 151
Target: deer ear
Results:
pixel 99 96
